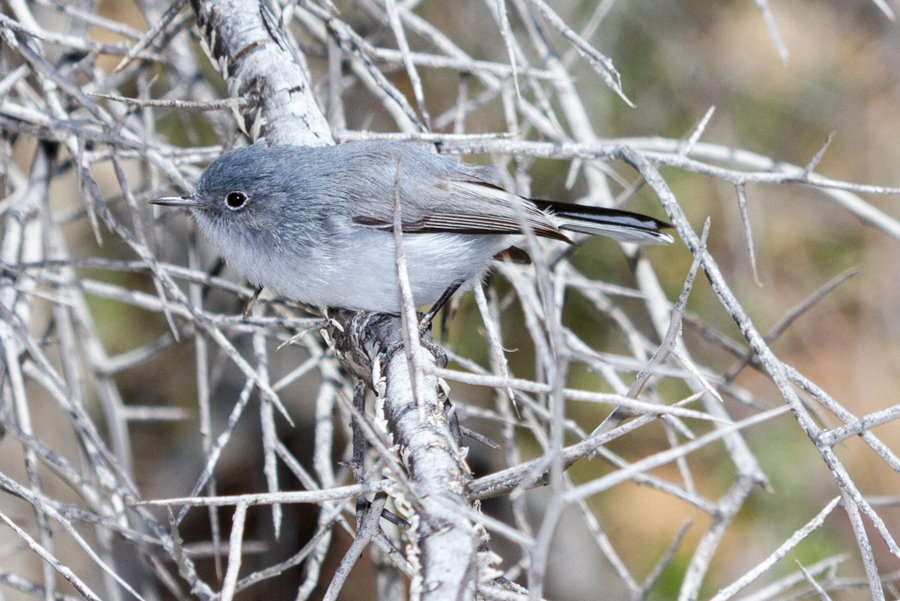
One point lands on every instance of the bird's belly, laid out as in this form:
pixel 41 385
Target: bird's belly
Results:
pixel 435 262
pixel 360 272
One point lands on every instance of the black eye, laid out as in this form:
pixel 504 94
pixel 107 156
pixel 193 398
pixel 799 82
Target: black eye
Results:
pixel 235 200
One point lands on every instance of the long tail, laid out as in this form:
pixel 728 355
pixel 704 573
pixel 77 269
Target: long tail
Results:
pixel 613 223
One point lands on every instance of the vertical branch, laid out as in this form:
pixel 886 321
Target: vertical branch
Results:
pixel 445 539
pixel 244 39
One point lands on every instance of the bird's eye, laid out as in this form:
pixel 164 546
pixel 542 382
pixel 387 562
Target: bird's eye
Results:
pixel 235 200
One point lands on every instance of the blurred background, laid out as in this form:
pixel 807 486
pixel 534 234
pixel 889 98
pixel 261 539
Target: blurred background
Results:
pixel 676 60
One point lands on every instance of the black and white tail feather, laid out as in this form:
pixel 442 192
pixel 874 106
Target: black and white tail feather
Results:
pixel 487 208
pixel 623 226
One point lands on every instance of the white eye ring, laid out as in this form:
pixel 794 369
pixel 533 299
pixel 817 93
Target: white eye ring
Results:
pixel 235 200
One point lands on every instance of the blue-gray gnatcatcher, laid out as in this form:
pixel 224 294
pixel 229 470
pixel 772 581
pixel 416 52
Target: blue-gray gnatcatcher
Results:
pixel 315 225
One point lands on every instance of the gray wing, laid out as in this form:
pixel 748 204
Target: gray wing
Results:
pixel 442 194
pixel 482 208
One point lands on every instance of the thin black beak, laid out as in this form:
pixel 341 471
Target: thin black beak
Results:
pixel 185 200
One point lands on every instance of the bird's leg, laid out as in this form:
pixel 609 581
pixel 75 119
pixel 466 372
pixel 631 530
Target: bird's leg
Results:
pixel 425 322
pixel 424 325
pixel 252 302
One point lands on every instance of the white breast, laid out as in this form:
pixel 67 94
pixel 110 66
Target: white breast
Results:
pixel 357 268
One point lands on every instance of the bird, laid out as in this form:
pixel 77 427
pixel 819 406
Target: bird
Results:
pixel 315 224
